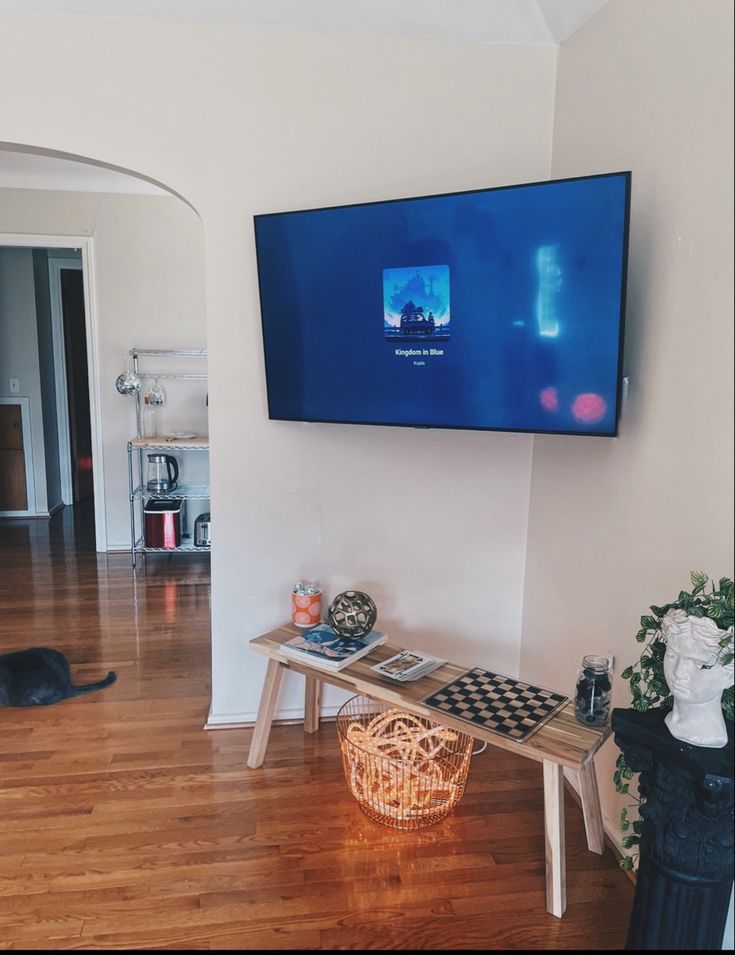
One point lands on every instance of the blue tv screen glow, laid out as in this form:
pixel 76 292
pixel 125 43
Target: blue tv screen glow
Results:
pixel 497 309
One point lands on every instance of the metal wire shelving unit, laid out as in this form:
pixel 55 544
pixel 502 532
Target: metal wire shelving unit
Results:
pixel 138 492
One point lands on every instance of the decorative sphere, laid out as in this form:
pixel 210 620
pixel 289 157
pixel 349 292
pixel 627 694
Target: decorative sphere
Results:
pixel 352 614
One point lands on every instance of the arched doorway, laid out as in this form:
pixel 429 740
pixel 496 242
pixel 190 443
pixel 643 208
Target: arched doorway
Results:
pixel 127 254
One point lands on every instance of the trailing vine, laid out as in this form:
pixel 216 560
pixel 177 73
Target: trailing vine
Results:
pixel 648 684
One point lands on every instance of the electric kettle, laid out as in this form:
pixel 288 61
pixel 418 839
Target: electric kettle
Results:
pixel 163 473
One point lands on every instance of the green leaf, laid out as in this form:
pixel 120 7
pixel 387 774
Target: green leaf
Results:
pixel 626 863
pixel 699 580
pixel 641 635
pixel 640 705
pixel 728 703
pixel 638 827
pixel 649 623
pixel 630 841
pixel 624 789
pixel 627 673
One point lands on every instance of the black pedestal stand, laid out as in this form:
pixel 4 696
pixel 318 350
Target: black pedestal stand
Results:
pixel 685 871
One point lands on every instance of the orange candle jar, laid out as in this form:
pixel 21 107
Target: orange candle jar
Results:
pixel 306 605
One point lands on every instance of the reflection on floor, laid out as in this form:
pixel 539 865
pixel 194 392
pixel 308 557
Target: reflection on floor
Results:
pixel 94 608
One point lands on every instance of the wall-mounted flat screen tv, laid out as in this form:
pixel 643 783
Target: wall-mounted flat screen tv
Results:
pixel 497 309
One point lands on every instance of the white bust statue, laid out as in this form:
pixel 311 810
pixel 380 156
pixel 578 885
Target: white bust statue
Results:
pixel 695 678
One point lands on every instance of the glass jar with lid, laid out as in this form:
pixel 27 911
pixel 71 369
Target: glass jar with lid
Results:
pixel 593 692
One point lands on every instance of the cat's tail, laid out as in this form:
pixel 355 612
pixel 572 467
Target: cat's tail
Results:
pixel 91 687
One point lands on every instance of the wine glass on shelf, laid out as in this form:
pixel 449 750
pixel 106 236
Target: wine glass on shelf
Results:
pixel 153 399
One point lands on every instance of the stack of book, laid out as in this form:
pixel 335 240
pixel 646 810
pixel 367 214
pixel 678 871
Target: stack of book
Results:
pixel 323 647
pixel 407 665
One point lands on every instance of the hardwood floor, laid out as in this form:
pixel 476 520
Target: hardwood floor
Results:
pixel 123 824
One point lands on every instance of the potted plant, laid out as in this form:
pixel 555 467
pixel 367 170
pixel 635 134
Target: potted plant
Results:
pixel 707 615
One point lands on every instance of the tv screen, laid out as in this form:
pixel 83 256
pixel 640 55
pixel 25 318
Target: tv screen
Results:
pixel 497 309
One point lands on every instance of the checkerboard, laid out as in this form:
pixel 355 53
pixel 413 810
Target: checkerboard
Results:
pixel 497 703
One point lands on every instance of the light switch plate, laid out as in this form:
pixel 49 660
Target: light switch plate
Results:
pixel 15 386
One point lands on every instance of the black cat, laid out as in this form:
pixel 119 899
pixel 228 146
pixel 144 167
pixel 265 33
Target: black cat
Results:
pixel 40 676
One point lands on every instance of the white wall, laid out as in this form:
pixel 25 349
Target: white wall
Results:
pixel 617 525
pixel 19 353
pixel 243 120
pixel 149 281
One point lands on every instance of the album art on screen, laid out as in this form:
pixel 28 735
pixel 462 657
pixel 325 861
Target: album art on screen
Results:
pixel 416 303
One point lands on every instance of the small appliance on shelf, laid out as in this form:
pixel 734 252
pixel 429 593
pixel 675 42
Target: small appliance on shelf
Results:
pixel 202 532
pixel 163 473
pixel 163 524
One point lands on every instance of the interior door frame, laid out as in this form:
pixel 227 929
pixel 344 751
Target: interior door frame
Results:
pixel 55 265
pixel 86 246
pixel 25 418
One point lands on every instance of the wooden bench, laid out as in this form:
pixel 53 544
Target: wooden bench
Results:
pixel 561 743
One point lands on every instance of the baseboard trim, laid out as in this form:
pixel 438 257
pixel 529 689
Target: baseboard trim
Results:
pixel 246 720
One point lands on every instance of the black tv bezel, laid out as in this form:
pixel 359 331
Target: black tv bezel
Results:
pixel 626 174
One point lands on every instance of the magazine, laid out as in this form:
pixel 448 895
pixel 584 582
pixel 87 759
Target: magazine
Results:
pixel 324 647
pixel 407 665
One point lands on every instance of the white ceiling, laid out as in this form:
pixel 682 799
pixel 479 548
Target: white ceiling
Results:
pixel 534 22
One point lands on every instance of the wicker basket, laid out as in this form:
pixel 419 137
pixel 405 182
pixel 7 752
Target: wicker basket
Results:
pixel 404 771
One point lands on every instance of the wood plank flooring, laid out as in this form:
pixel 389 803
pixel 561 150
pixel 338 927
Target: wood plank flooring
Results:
pixel 125 825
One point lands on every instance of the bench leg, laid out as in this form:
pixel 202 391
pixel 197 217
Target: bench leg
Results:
pixel 268 699
pixel 590 799
pixel 556 876
pixel 312 701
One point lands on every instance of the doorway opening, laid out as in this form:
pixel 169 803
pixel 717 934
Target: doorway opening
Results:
pixel 46 435
pixel 72 380
pixel 125 225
